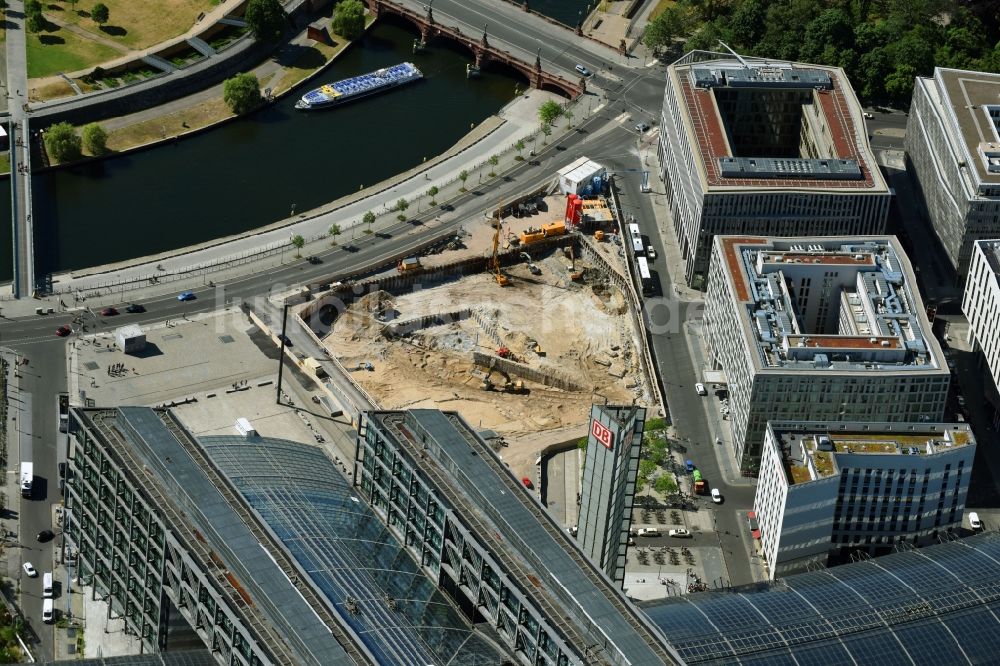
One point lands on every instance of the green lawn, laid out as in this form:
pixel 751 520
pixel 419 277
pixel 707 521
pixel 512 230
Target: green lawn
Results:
pixel 136 24
pixel 62 51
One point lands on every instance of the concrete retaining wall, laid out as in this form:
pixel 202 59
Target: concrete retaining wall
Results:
pixel 440 319
pixel 546 377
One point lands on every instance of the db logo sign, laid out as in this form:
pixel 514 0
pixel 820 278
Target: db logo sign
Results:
pixel 602 434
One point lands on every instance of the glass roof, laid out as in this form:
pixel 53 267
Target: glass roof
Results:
pixel 336 538
pixel 935 605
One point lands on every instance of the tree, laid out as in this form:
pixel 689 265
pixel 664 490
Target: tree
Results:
pixel 368 218
pixel 463 176
pixel 549 111
pixel 100 13
pixel 494 160
pixel 401 206
pixel 334 231
pixel 568 114
pixel 95 139
pixel 432 192
pixel 62 142
pixel 546 130
pixel 664 484
pixel 519 146
pixel 672 24
pixel 33 16
pixel 297 242
pixel 241 93
pixel 349 19
pixel 266 19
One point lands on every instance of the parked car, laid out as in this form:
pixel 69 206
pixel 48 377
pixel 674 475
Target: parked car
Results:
pixel 868 115
pixel 716 496
pixel 135 308
pixel 700 389
pixel 651 253
pixel 63 331
pixel 284 339
pixel 45 535
pixel 583 70
pixel 689 465
pixel 29 569
pixel 109 312
pixel 680 533
pixel 186 296
pixel 48 611
pixel 649 532
pixel 641 127
pixel 974 521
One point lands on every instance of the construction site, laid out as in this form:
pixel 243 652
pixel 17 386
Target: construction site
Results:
pixel 520 329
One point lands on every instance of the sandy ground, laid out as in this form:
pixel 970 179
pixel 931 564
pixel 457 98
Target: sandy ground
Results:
pixel 582 329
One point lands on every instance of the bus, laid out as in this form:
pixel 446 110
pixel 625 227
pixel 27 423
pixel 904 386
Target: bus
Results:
pixel 644 277
pixel 638 247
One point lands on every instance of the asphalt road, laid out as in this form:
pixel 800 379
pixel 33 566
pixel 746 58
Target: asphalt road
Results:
pixel 886 128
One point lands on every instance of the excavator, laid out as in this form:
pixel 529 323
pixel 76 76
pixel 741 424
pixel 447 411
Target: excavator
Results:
pixel 509 385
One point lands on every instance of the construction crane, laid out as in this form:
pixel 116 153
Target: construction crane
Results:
pixel 501 279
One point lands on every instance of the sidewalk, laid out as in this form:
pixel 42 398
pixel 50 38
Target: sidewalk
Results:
pixel 259 250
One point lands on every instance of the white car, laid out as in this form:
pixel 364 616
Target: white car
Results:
pixel 30 570
pixel 868 115
pixel 974 521
pixel 700 389
pixel 680 533
pixel 716 496
pixel 48 611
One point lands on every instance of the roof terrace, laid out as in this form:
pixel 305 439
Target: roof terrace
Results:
pixel 840 303
pixel 813 450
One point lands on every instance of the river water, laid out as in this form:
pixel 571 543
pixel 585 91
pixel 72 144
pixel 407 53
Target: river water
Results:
pixel 567 12
pixel 251 172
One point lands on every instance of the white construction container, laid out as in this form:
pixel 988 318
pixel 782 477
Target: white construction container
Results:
pixel 578 177
pixel 131 339
pixel 245 428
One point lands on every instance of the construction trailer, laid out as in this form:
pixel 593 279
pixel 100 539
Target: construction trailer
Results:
pixel 130 339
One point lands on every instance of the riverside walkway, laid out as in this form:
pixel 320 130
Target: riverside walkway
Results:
pixel 20 152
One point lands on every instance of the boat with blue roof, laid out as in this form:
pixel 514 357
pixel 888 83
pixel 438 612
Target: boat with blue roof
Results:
pixel 356 87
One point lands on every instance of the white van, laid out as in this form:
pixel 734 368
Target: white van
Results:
pixel 47 611
pixel 648 532
pixel 47 585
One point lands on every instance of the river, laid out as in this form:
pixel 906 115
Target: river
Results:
pixel 251 172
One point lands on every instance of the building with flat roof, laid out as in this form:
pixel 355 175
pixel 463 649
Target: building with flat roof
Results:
pixel 608 486
pixel 953 148
pixel 493 547
pixel 934 605
pixel 819 329
pixel 260 545
pixel 981 306
pixel 766 147
pixel 828 491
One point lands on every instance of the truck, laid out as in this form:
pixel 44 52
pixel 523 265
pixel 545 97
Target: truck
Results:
pixel 699 483
pixel 27 478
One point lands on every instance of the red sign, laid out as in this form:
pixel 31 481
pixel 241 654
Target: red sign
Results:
pixel 602 434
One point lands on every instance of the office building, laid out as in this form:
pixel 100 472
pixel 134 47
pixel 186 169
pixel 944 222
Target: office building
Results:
pixel 934 605
pixel 492 546
pixel 953 150
pixel 764 147
pixel 981 306
pixel 819 329
pixel 260 545
pixel 608 487
pixel 828 491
